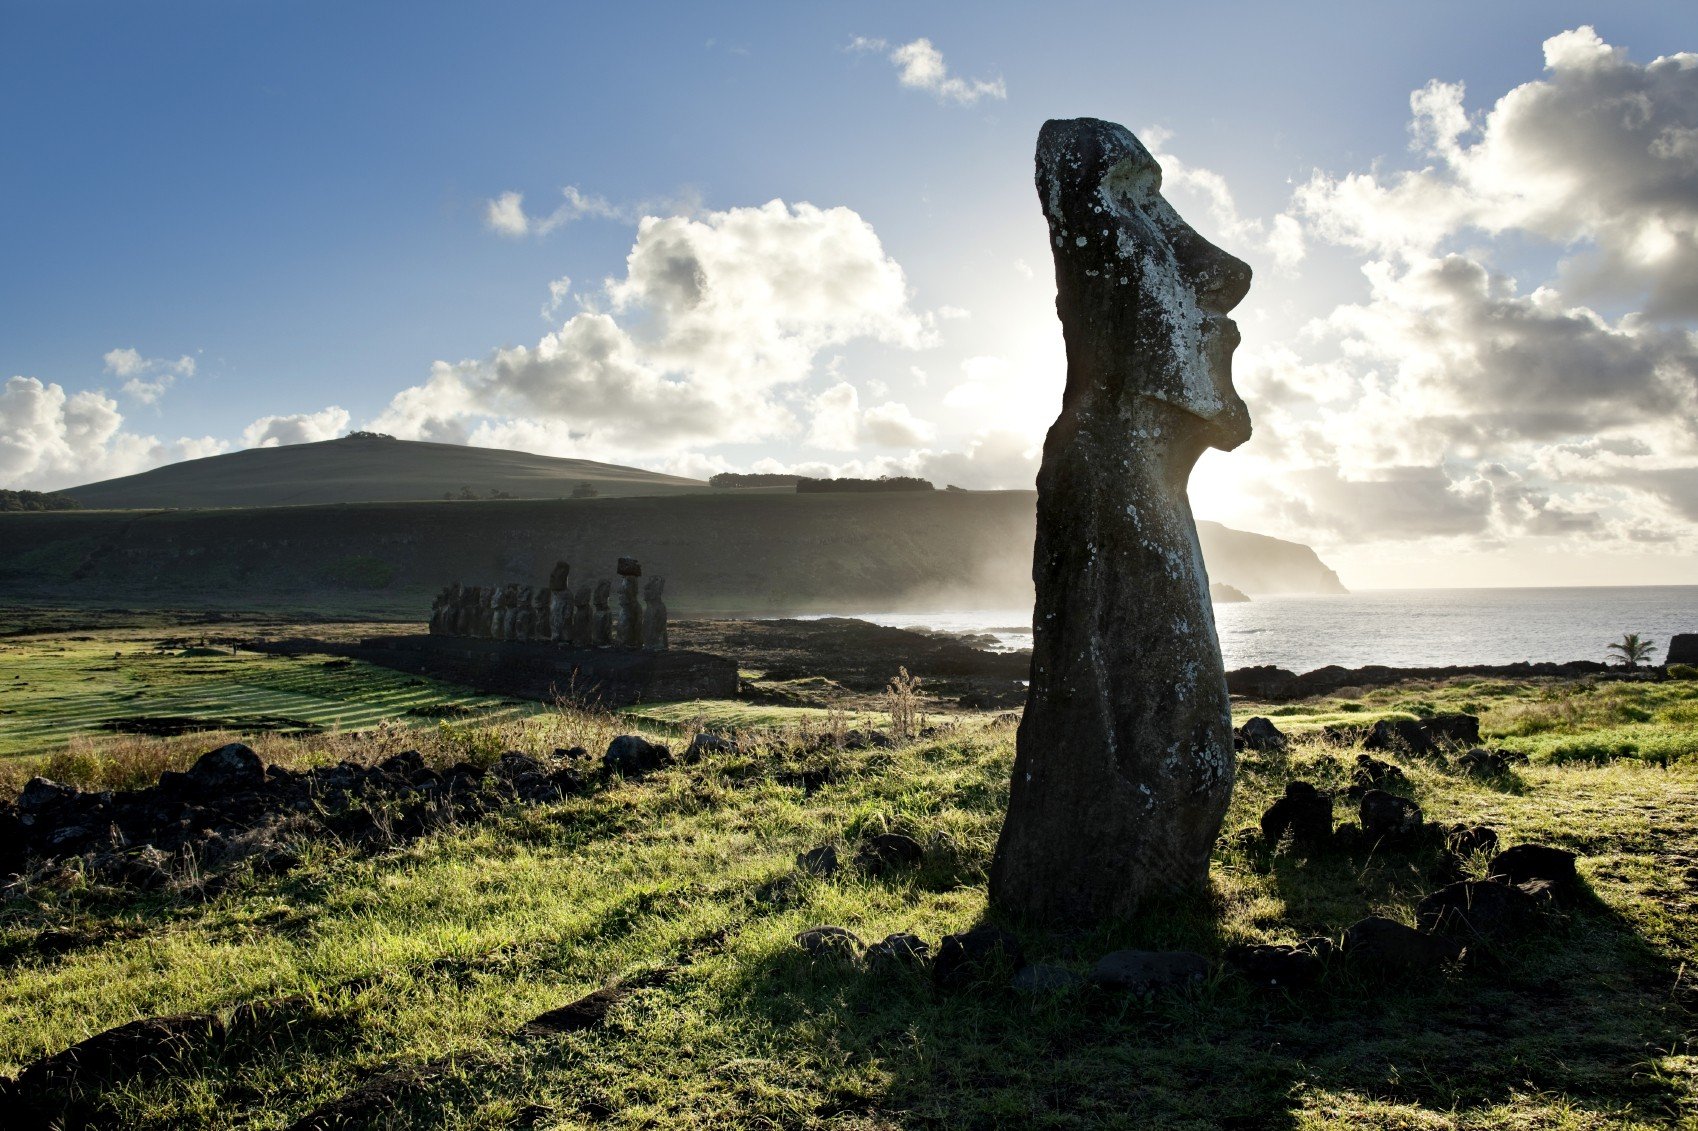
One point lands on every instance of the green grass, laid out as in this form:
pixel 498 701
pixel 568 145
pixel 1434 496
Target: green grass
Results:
pixel 55 689
pixel 444 948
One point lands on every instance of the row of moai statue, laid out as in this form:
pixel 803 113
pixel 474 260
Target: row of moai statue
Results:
pixel 577 618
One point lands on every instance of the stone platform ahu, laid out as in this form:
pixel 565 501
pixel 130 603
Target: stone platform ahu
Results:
pixel 560 640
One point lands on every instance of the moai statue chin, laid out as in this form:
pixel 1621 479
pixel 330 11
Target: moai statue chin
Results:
pixel 654 615
pixel 628 630
pixel 601 619
pixel 1124 762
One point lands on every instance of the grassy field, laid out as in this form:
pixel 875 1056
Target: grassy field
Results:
pixel 417 966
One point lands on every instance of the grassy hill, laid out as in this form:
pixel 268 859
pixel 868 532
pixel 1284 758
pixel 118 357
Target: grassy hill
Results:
pixel 360 469
pixel 721 551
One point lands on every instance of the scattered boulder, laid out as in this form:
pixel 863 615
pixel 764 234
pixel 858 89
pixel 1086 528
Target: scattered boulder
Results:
pixel 834 943
pixel 229 769
pixel 1304 811
pixel 1467 840
pixel 374 1103
pixel 1143 971
pixel 1261 735
pixel 592 1009
pixel 1043 979
pixel 889 852
pixel 1371 773
pixel 821 861
pixel 1424 736
pixel 1482 763
pixel 1388 818
pixel 1278 965
pixel 1524 862
pixel 974 955
pixel 704 744
pixel 902 949
pixel 1471 911
pixel 632 755
pixel 1384 946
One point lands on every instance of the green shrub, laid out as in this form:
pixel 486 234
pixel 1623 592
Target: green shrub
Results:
pixel 1683 671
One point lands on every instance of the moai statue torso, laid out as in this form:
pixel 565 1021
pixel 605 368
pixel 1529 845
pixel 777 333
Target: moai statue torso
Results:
pixel 559 605
pixel 601 621
pixel 542 608
pixel 463 610
pixel 579 634
pixel 524 617
pixel 628 631
pixel 654 615
pixel 486 613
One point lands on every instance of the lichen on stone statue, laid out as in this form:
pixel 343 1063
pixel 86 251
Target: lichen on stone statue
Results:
pixel 601 619
pixel 1124 762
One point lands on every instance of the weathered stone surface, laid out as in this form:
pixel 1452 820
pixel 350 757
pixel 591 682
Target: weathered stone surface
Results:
pixel 1388 818
pixel 1482 763
pixel 1370 773
pixel 1466 840
pixel 1385 946
pixel 654 614
pixel 1304 811
pixel 601 618
pixel 887 853
pixel 837 943
pixel 821 861
pixel 1470 911
pixel 628 627
pixel 1261 735
pixel 1277 965
pixel 1142 971
pixel 704 744
pixel 903 948
pixel 1683 649
pixel 975 955
pixel 582 633
pixel 1526 862
pixel 633 755
pixel 1424 736
pixel 229 768
pixel 1124 760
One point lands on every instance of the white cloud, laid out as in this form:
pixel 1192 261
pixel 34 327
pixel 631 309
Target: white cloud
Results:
pixel 1601 155
pixel 717 315
pixel 296 428
pixel 1282 239
pixel 506 216
pixel 148 377
pixel 920 66
pixel 50 439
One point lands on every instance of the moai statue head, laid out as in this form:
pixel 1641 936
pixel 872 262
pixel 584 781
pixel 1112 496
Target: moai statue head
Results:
pixel 559 577
pixel 653 587
pixel 581 596
pixel 603 591
pixel 540 600
pixel 1126 259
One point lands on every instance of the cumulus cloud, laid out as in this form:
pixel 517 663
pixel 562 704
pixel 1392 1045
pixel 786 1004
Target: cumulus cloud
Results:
pixel 839 423
pixel 1601 155
pixel 1281 239
pixel 717 315
pixel 1454 403
pixel 505 215
pixel 50 439
pixel 148 377
pixel 920 66
pixel 295 428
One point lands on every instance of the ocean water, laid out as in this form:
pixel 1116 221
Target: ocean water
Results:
pixel 1400 627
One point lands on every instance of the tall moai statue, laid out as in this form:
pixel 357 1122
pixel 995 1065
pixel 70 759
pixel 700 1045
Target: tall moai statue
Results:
pixel 559 604
pixel 463 611
pixel 628 632
pixel 601 620
pixel 654 615
pixel 542 609
pixel 510 601
pixel 1124 763
pixel 582 633
pixel 525 616
pixel 487 611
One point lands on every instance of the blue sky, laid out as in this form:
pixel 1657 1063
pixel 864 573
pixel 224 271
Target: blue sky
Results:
pixel 285 212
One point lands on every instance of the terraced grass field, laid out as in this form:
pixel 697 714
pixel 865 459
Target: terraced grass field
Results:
pixel 56 688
